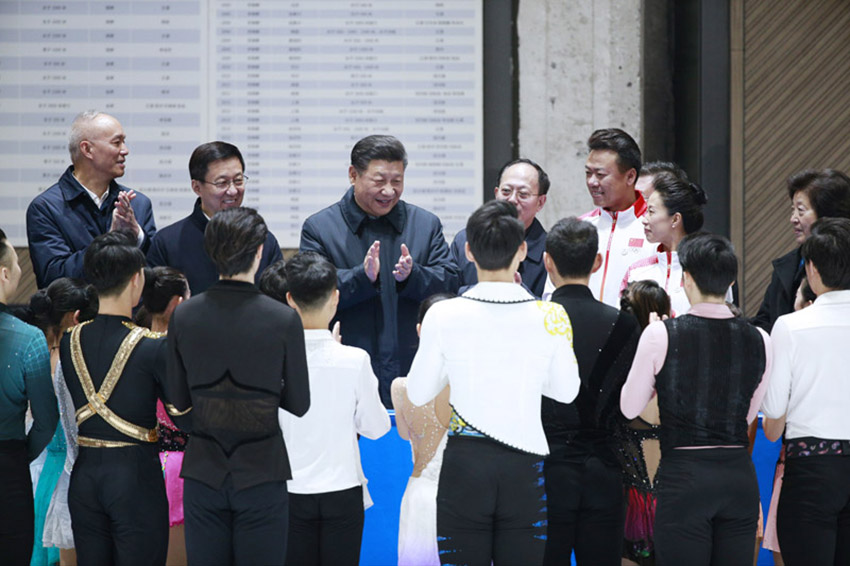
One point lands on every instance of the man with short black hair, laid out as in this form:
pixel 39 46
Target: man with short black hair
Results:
pixel 115 371
pixel 237 356
pixel 327 488
pixel 389 255
pixel 217 172
pixel 611 171
pixel 710 371
pixel 490 508
pixel 24 381
pixel 809 388
pixel 86 201
pixel 524 184
pixel 584 485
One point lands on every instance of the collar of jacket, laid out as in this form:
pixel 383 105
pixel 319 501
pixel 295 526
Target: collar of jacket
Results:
pixel 355 217
pixel 72 189
pixel 198 217
pixel 535 237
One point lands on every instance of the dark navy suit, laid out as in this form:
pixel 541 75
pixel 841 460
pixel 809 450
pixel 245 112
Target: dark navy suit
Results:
pixel 181 246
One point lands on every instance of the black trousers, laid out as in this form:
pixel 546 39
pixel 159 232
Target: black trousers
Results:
pixel 17 521
pixel 119 510
pixel 325 528
pixel 225 526
pixel 490 505
pixel 707 510
pixel 584 496
pixel 813 519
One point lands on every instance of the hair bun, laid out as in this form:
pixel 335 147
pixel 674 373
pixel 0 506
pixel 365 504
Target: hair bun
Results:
pixel 700 195
pixel 40 303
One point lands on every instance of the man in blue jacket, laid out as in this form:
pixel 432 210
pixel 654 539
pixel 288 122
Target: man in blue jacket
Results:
pixel 86 202
pixel 524 184
pixel 217 170
pixel 389 256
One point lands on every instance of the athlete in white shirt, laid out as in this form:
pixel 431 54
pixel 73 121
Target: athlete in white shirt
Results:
pixel 326 492
pixel 809 386
pixel 501 350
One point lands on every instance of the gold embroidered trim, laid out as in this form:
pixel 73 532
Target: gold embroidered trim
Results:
pixel 148 333
pixel 97 399
pixel 174 411
pixel 100 443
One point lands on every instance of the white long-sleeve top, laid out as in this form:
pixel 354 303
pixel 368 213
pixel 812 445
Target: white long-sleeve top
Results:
pixel 808 382
pixel 500 349
pixel 344 402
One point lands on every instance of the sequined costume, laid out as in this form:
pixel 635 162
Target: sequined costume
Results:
pixel 172 445
pixel 417 525
pixel 640 489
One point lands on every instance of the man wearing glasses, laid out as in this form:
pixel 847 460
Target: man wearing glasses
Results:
pixel 524 184
pixel 86 201
pixel 217 170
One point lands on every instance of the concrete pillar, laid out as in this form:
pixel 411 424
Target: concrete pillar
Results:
pixel 579 70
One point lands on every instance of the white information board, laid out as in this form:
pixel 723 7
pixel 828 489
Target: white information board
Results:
pixel 294 84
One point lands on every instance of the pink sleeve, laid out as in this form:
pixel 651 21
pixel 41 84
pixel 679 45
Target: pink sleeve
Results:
pixel 758 395
pixel 649 358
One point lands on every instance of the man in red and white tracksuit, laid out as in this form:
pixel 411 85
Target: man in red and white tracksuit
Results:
pixel 611 171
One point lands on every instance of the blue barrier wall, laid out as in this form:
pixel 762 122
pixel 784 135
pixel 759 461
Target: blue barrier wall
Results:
pixel 387 464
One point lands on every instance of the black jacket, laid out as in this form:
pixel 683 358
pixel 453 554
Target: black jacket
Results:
pixel 239 355
pixel 604 341
pixel 181 246
pixel 782 291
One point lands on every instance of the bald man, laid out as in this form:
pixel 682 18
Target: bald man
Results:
pixel 86 202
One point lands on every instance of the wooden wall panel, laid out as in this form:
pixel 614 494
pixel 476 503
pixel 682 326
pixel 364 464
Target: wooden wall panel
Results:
pixel 796 115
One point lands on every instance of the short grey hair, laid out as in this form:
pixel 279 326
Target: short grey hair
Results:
pixel 79 131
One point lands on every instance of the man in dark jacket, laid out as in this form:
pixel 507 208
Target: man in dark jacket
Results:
pixel 218 177
pixel 239 355
pixel 86 201
pixel 389 255
pixel 584 484
pixel 524 184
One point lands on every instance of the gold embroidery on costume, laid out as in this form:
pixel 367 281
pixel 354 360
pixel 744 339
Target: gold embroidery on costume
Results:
pixel 148 333
pixel 174 411
pixel 556 320
pixel 100 443
pixel 97 399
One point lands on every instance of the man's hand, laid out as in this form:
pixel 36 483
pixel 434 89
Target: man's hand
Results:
pixel 123 217
pixel 372 261
pixel 404 266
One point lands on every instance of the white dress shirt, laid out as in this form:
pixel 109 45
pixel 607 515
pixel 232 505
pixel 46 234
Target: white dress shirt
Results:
pixel 500 349
pixel 809 382
pixel 344 402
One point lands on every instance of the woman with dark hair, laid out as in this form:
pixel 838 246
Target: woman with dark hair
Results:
pixel 814 194
pixel 639 448
pixel 165 288
pixel 674 210
pixel 63 304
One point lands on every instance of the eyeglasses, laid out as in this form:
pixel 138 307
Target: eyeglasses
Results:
pixel 521 194
pixel 237 182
